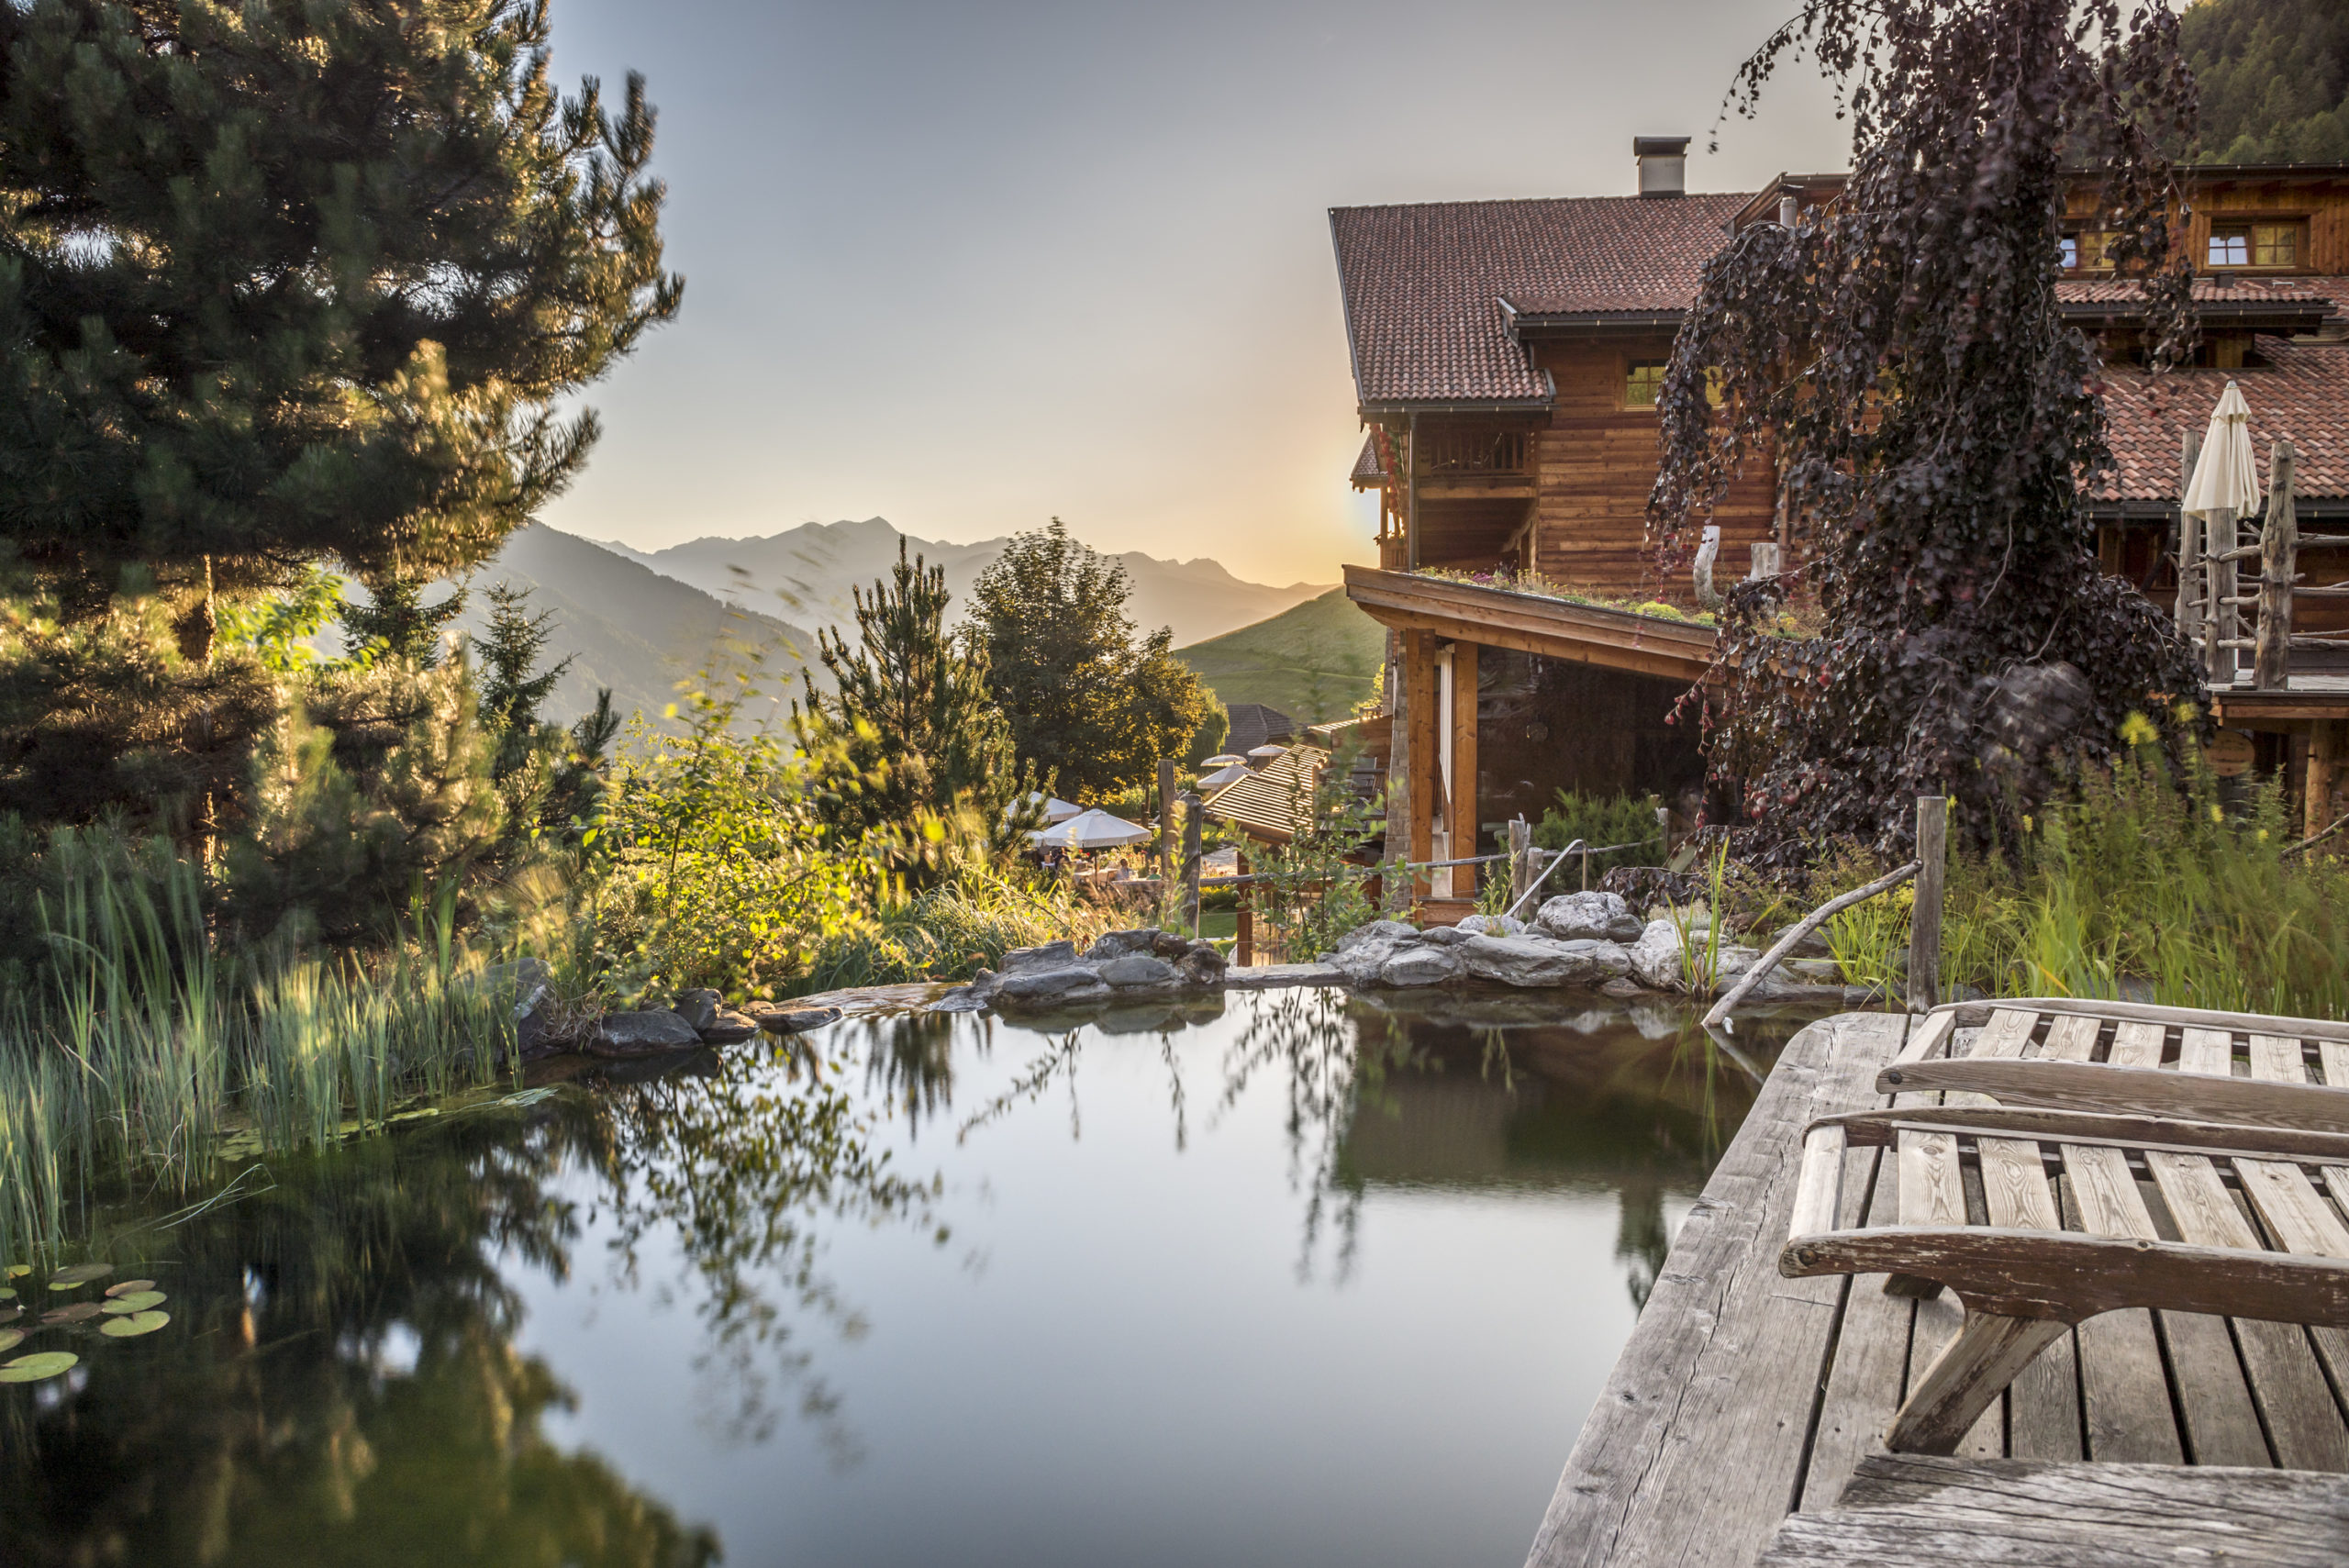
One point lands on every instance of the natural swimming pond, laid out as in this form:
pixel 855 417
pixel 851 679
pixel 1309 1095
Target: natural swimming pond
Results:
pixel 1290 1277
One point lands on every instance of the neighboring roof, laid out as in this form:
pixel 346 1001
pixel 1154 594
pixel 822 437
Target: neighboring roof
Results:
pixel 1425 285
pixel 2225 301
pixel 1254 725
pixel 1271 805
pixel 2302 393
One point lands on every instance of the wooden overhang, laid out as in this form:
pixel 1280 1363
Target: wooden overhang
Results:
pixel 1529 623
pixel 1264 806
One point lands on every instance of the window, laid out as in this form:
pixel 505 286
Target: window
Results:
pixel 2088 250
pixel 2255 245
pixel 1641 382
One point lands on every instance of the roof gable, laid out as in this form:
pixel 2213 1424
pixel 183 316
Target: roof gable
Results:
pixel 1424 284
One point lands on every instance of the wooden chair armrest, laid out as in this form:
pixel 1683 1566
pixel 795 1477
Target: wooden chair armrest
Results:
pixel 2128 1091
pixel 2067 1276
pixel 2217 1140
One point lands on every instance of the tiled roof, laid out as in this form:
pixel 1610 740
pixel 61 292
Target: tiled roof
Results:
pixel 1254 725
pixel 1274 803
pixel 2302 392
pixel 2221 290
pixel 1368 470
pixel 1423 284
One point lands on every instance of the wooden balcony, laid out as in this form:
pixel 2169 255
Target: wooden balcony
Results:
pixel 1554 628
pixel 1473 465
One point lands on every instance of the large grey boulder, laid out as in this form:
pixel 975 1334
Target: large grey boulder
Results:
pixel 1068 982
pixel 1118 944
pixel 1137 969
pixel 1656 957
pixel 1494 925
pixel 644 1033
pixel 1444 936
pixel 699 1008
pixel 1588 917
pixel 1387 931
pixel 1051 955
pixel 1266 976
pixel 1536 961
pixel 777 1020
pixel 728 1027
pixel 1421 965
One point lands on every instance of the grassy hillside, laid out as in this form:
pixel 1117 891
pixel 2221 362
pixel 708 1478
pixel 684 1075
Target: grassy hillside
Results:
pixel 1313 661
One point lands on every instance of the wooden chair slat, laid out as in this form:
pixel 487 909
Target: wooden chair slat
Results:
pixel 2293 1207
pixel 1932 1191
pixel 2138 1044
pixel 2006 1034
pixel 2106 1193
pixel 2199 1202
pixel 2014 1184
pixel 2334 1054
pixel 2276 1058
pixel 2210 1053
pixel 2071 1037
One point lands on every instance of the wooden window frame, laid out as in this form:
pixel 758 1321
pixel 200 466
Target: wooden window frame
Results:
pixel 1624 365
pixel 2246 223
pixel 2104 263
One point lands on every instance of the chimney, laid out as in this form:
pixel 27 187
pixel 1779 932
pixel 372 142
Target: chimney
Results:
pixel 1789 210
pixel 1664 165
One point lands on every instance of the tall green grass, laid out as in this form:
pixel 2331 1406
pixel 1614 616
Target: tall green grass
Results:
pixel 2154 881
pixel 954 931
pixel 146 1052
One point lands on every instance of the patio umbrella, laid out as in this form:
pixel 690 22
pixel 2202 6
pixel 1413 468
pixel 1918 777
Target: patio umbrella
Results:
pixel 1055 810
pixel 1223 776
pixel 2224 475
pixel 1267 753
pixel 1225 760
pixel 1094 830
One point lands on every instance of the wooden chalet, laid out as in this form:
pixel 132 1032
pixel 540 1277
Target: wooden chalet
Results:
pixel 1507 359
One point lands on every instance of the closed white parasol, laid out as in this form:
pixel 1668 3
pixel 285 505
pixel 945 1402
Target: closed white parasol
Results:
pixel 1094 830
pixel 2225 477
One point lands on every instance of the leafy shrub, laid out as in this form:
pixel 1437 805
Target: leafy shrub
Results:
pixel 1599 819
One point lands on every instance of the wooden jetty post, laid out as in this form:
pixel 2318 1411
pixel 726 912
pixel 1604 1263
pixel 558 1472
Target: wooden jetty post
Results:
pixel 1243 942
pixel 1166 818
pixel 1191 825
pixel 2278 567
pixel 1925 915
pixel 2222 616
pixel 1520 858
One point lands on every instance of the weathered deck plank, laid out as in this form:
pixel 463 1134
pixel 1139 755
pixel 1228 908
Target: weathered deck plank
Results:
pixel 1905 1509
pixel 1728 1355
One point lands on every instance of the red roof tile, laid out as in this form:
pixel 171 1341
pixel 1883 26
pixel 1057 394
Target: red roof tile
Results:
pixel 2302 392
pixel 2221 290
pixel 1423 284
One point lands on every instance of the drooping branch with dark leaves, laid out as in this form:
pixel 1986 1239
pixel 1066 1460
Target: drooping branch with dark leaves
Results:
pixel 1937 427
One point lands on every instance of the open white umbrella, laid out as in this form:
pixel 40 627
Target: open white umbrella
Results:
pixel 1267 753
pixel 1223 776
pixel 1225 760
pixel 1055 810
pixel 2225 476
pixel 1094 830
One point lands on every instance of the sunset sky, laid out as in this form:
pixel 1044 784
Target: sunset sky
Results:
pixel 967 266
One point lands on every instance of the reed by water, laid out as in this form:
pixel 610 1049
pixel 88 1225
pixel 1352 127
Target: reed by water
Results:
pixel 144 1051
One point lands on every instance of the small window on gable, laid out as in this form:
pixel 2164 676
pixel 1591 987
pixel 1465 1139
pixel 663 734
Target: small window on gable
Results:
pixel 2255 245
pixel 1643 383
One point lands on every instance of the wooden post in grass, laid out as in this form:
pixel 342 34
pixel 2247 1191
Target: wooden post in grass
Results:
pixel 1166 818
pixel 1243 941
pixel 1925 918
pixel 1520 860
pixel 2189 544
pixel 1191 825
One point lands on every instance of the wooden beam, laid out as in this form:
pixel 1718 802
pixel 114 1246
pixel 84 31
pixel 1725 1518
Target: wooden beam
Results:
pixel 1243 947
pixel 1419 746
pixel 2324 751
pixel 1462 808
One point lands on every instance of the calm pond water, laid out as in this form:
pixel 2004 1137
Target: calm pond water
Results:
pixel 1291 1278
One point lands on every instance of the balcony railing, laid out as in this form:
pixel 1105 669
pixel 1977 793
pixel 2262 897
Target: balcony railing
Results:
pixel 1471 452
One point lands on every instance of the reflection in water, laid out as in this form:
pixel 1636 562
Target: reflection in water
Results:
pixel 342 1382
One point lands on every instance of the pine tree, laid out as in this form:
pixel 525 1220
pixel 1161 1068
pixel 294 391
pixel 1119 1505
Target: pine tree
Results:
pixel 2274 76
pixel 398 626
pixel 513 686
pixel 911 744
pixel 279 281
pixel 1087 703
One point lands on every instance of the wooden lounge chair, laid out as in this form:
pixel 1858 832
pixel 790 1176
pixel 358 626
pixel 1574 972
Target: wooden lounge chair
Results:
pixel 2249 1178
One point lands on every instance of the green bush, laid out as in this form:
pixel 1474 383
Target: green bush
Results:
pixel 1600 819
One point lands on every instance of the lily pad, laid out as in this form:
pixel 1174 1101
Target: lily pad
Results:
pixel 126 1286
pixel 79 1275
pixel 10 1313
pixel 42 1364
pixel 130 1328
pixel 18 1271
pixel 10 1339
pixel 8 1293
pixel 79 1312
pixel 136 1301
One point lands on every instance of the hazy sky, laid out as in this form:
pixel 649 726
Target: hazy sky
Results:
pixel 970 265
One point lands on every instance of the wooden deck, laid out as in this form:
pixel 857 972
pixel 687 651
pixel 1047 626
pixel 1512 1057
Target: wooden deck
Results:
pixel 1744 1397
